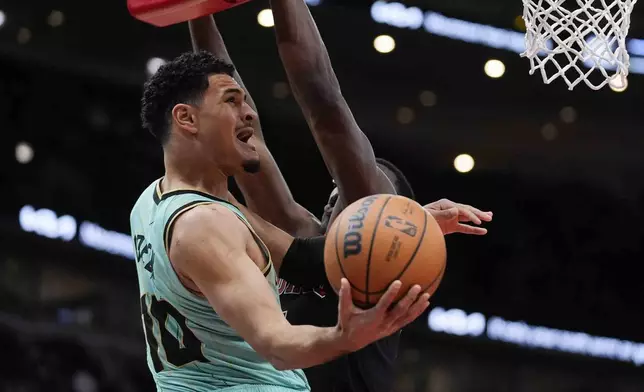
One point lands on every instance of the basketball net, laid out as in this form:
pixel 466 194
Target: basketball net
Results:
pixel 578 40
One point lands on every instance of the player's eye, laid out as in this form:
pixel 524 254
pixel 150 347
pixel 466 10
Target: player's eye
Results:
pixel 231 99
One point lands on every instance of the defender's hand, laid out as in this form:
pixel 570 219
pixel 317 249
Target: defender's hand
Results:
pixel 450 216
pixel 360 327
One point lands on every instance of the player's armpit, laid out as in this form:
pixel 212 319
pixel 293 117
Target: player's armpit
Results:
pixel 208 246
pixel 298 260
pixel 276 240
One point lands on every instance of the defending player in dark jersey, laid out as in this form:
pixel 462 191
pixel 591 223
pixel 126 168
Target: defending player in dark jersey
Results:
pixel 372 368
pixel 349 156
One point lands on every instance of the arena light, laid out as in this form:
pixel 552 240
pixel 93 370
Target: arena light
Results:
pixel 384 44
pixel 405 115
pixel 23 36
pixel 46 223
pixel 24 153
pixel 635 47
pixel 398 15
pixel 281 90
pixel 459 323
pixel 549 132
pixel 568 115
pixel 464 163
pixel 428 98
pixel 3 18
pixel 474 33
pixel 265 18
pixel 154 64
pixel 494 68
pixel 519 23
pixel 94 236
pixel 56 18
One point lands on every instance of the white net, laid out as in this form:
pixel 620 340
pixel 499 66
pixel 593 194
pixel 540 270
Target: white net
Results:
pixel 578 40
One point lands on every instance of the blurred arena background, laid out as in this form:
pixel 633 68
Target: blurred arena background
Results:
pixel 551 300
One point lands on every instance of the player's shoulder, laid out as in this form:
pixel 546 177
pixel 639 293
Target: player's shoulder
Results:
pixel 202 233
pixel 209 219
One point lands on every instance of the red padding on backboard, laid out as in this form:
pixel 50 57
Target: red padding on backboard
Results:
pixel 168 12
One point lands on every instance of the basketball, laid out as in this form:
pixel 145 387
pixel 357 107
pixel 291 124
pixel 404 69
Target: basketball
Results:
pixel 380 239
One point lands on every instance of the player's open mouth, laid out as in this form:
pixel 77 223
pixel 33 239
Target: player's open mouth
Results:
pixel 244 134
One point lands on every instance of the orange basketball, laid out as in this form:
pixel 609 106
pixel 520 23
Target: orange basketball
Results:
pixel 380 239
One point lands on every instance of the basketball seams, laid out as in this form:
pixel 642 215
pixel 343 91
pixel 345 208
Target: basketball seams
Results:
pixel 373 241
pixel 411 259
pixel 436 280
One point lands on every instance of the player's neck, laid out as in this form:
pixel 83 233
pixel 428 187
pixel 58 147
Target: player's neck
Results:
pixel 186 173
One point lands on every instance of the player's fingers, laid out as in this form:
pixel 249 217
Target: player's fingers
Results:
pixel 345 304
pixel 388 297
pixel 471 230
pixel 467 215
pixel 401 308
pixel 413 313
pixel 445 215
pixel 486 216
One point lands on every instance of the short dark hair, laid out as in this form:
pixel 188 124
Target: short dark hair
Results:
pixel 182 80
pixel 402 185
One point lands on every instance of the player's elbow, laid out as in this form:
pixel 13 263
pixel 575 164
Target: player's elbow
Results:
pixel 270 347
pixel 274 357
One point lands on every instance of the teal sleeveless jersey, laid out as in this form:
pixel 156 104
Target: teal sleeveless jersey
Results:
pixel 189 347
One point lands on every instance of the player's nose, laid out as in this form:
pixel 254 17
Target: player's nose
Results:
pixel 248 114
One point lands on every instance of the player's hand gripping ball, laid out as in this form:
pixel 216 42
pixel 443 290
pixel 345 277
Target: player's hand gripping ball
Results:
pixel 380 239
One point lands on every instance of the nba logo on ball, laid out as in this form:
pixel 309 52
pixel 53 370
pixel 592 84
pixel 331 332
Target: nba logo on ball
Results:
pixel 380 239
pixel 403 226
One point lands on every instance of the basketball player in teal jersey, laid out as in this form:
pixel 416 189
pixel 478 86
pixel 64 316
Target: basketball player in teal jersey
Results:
pixel 209 299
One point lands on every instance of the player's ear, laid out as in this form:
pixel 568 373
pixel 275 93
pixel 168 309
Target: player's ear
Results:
pixel 185 117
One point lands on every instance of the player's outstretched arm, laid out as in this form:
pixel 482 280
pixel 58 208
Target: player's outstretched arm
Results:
pixel 346 150
pixel 265 192
pixel 208 248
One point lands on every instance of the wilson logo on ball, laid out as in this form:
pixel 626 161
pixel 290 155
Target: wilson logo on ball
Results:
pixel 353 237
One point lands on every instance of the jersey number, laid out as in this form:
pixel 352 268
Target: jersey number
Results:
pixel 177 352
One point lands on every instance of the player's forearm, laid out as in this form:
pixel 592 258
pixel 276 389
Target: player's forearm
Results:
pixel 305 346
pixel 305 58
pixel 205 35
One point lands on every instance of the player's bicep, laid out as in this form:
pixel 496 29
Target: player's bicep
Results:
pixel 242 297
pixel 208 247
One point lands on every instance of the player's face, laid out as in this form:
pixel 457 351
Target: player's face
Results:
pixel 335 206
pixel 225 125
